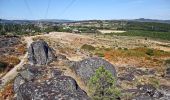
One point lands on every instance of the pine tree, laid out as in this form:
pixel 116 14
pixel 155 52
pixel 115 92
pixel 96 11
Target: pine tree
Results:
pixel 102 85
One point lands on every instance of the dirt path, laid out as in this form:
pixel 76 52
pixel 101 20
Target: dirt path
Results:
pixel 13 72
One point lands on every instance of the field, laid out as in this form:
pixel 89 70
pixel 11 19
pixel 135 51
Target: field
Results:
pixel 146 34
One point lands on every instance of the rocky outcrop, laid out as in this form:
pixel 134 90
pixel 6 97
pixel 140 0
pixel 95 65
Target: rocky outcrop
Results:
pixel 87 67
pixel 149 90
pixel 44 82
pixel 8 41
pixel 145 92
pixel 58 88
pixel 40 53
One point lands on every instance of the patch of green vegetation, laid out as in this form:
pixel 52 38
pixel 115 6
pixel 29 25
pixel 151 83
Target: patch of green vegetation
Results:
pixel 87 47
pixel 150 34
pixel 147 26
pixel 150 52
pixel 125 48
pixel 136 52
pixel 155 82
pixel 102 85
pixel 167 61
pixel 99 54
pixel 107 49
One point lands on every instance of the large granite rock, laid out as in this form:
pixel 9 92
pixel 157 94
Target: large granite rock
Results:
pixel 58 88
pixel 87 67
pixel 46 83
pixel 40 53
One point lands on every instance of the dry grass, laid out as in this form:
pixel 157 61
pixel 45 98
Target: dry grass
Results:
pixel 140 57
pixel 7 93
pixel 21 48
pixel 11 60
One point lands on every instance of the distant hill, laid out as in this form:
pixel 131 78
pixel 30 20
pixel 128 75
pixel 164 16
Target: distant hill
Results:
pixel 56 20
pixel 67 21
pixel 35 21
pixel 152 20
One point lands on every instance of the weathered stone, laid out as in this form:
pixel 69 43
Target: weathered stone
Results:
pixel 61 57
pixel 126 76
pixel 19 80
pixel 149 90
pixel 136 71
pixel 165 90
pixel 58 88
pixel 55 73
pixel 40 53
pixel 31 72
pixel 167 73
pixel 87 67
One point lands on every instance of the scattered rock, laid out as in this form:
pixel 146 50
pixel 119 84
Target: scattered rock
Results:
pixel 136 71
pixel 40 53
pixel 149 90
pixel 87 67
pixel 55 73
pixel 165 90
pixel 126 76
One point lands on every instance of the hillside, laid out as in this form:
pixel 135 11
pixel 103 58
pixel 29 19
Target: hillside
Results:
pixel 137 63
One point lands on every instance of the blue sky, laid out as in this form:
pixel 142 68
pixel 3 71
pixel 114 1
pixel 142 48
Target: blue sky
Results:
pixel 84 9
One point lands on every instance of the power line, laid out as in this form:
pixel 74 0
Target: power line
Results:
pixel 67 7
pixel 48 6
pixel 28 7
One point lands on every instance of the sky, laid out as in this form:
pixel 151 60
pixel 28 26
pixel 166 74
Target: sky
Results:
pixel 84 9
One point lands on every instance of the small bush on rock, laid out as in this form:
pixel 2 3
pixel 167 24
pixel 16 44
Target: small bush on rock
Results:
pixel 102 85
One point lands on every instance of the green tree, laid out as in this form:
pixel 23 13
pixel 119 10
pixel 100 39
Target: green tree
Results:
pixel 102 85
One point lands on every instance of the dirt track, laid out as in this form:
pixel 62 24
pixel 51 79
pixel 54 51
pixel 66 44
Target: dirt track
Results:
pixel 13 72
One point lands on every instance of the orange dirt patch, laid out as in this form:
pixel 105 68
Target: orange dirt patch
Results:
pixel 7 93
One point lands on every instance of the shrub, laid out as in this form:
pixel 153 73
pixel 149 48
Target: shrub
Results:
pixel 100 54
pixel 155 82
pixel 88 47
pixel 125 48
pixel 102 85
pixel 119 48
pixel 167 61
pixel 150 52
